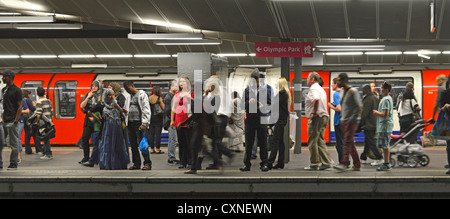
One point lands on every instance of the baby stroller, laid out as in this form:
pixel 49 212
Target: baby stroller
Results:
pixel 406 149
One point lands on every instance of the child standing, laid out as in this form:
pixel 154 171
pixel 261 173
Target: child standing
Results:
pixel 385 123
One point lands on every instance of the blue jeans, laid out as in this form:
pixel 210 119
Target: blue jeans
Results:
pixel 11 140
pixel 19 140
pixel 173 142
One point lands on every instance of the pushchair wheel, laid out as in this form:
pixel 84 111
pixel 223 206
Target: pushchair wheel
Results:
pixel 392 161
pixel 412 161
pixel 424 160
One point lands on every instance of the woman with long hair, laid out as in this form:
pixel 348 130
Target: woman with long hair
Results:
pixel 180 106
pixel 278 144
pixel 407 109
pixel 156 120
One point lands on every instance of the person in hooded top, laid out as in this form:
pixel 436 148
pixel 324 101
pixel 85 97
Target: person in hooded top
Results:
pixel 89 100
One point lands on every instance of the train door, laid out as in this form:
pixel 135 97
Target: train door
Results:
pixel 31 82
pixel 399 79
pixel 66 92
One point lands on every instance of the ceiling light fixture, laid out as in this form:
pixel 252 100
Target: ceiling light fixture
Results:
pixel 384 53
pixel 48 26
pixel 152 56
pixel 432 16
pixel 423 56
pixel 355 49
pixel 38 56
pixel 165 36
pixel 232 54
pixel 26 19
pixel 421 52
pixel 89 65
pixel 343 53
pixel 9 56
pixel 350 46
pixel 187 42
pixel 114 56
pixel 167 24
pixel 76 56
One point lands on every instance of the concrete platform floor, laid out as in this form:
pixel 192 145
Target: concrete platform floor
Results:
pixel 64 177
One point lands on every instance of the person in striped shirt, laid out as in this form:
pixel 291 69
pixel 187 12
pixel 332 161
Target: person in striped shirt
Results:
pixel 44 107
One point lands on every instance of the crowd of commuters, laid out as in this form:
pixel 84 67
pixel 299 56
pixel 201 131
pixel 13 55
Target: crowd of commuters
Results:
pixel 117 122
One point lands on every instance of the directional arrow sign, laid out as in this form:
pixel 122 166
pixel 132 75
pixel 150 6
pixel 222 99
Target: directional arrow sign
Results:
pixel 292 49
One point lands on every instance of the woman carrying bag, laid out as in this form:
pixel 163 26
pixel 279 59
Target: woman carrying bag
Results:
pixel 408 111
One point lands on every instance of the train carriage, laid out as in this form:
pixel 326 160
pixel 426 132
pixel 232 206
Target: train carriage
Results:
pixel 66 91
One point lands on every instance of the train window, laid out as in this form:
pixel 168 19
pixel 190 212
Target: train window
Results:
pixel 398 85
pixel 65 99
pixel 32 87
pixel 144 85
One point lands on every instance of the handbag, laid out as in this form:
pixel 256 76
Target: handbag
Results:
pixel 416 114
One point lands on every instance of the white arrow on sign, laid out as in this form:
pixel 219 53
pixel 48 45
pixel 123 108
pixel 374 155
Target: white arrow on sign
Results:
pixel 258 49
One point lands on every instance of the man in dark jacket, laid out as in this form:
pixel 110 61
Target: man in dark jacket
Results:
pixel 368 123
pixel 255 103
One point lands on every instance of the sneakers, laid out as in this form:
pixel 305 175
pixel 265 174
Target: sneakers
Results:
pixel 12 166
pixel 377 162
pixel 46 157
pixel 343 168
pixel 384 167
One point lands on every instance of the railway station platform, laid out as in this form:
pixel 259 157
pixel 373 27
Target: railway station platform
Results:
pixel 63 177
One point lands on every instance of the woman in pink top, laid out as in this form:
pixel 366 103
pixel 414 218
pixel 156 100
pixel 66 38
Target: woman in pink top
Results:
pixel 180 106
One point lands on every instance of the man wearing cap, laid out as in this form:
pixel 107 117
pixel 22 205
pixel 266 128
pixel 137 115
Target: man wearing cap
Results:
pixel 12 106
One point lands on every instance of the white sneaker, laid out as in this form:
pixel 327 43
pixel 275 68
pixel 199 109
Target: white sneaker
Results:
pixel 341 167
pixel 377 162
pixel 46 157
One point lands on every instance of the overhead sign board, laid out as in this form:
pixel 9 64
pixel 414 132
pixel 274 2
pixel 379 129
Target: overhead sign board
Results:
pixel 291 49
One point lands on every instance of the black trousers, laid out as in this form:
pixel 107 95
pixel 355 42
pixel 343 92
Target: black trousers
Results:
pixel 184 139
pixel 278 145
pixel 135 135
pixel 370 144
pixel 252 128
pixel 339 141
pixel 154 136
pixel 195 147
pixel 87 134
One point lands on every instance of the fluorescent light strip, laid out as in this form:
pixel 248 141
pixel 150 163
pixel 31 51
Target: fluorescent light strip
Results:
pixel 343 53
pixel 114 56
pixel 89 65
pixel 9 56
pixel 445 52
pixel 152 56
pixel 349 46
pixel 187 42
pixel 26 19
pixel 38 56
pixel 48 26
pixel 384 53
pixel 422 52
pixel 423 56
pixel 165 36
pixel 167 24
pixel 355 49
pixel 76 56
pixel 232 54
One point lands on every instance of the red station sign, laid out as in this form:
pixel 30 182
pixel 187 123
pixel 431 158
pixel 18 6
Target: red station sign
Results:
pixel 291 49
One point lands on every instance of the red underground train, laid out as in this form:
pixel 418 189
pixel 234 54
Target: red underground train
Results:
pixel 66 90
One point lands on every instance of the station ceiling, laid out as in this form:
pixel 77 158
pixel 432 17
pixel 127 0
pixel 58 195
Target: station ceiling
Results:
pixel 389 25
